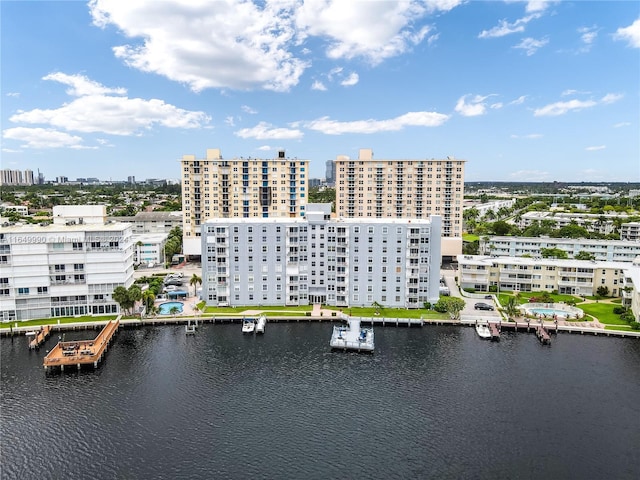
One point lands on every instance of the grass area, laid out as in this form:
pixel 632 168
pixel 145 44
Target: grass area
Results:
pixel 525 296
pixel 54 321
pixel 394 313
pixel 238 310
pixel 624 328
pixel 470 237
pixel 603 312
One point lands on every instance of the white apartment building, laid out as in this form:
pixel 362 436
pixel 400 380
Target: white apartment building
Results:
pixel 66 268
pixel 603 250
pixel 377 188
pixel 630 231
pixel 213 187
pixel 603 224
pixel 152 222
pixel 631 289
pixel 149 248
pixel 317 259
pixel 573 277
pixel 493 206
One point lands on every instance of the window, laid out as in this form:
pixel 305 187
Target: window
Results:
pixel 23 291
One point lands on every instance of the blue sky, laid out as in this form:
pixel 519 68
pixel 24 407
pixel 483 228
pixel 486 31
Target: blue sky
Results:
pixel 521 90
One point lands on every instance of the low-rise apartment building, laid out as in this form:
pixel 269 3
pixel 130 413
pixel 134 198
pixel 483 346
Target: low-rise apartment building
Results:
pixel 602 250
pixel 152 222
pixel 631 289
pixel 603 224
pixel 572 277
pixel 67 268
pixel 149 248
pixel 318 259
pixel 630 231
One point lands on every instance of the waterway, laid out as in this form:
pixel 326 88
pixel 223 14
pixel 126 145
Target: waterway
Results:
pixel 431 403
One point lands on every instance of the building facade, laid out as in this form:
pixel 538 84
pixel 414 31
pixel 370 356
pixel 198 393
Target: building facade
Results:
pixel 572 277
pixel 213 187
pixel 149 248
pixel 317 259
pixel 368 188
pixel 602 250
pixel 152 222
pixel 16 177
pixel 67 268
pixel 603 224
pixel 630 231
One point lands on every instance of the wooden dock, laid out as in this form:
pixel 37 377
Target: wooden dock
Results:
pixel 40 337
pixel 495 331
pixel 543 335
pixel 81 352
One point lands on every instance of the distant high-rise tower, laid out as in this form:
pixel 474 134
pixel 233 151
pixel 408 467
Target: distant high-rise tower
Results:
pixel 403 188
pixel 330 173
pixel 213 187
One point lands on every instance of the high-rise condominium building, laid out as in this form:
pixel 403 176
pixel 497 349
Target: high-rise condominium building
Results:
pixel 213 187
pixel 320 259
pixel 375 188
pixel 16 177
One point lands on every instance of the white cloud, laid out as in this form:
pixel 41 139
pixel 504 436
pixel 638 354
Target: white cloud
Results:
pixel 518 101
pixel 11 150
pixel 113 115
pixel 318 85
pixel 265 131
pixel 530 136
pixel 373 30
pixel 94 111
pixel 81 85
pixel 205 44
pixel 622 124
pixel 351 80
pixel 248 109
pixel 496 106
pixel 560 108
pixel 471 106
pixel 264 148
pixel 588 35
pixel 573 92
pixel 630 34
pixel 40 138
pixel 230 121
pixel 13 94
pixel 595 148
pixel 537 5
pixel 531 45
pixel 611 98
pixel 410 119
pixel 505 28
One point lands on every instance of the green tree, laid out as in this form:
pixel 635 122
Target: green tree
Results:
pixel 148 300
pixel 553 253
pixel 511 307
pixel 452 305
pixel 127 297
pixel 501 227
pixel 602 291
pixel 194 282
pixel 582 255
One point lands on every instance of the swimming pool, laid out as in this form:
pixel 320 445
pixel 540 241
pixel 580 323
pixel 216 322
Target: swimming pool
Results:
pixel 165 308
pixel 552 310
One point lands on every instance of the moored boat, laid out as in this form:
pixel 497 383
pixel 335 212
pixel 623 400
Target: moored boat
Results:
pixel 483 330
pixel 261 323
pixel 248 326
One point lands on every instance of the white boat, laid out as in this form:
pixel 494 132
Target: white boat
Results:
pixel 248 326
pixel 261 323
pixel 483 330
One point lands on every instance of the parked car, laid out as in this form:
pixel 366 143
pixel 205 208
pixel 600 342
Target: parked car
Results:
pixel 483 306
pixel 170 288
pixel 173 281
pixel 488 297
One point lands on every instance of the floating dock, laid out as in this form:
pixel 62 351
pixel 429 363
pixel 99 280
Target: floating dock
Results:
pixel 40 337
pixel 81 352
pixel 261 323
pixel 352 337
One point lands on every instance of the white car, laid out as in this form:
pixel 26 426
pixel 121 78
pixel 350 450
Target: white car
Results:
pixel 170 288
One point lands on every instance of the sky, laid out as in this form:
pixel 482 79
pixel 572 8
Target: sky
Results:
pixel 521 90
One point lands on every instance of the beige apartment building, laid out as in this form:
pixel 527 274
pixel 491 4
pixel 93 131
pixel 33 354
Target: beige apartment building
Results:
pixel 214 187
pixel 368 187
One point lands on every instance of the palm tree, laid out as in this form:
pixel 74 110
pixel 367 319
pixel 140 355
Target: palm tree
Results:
pixel 194 282
pixel 511 307
pixel 377 306
pixel 174 310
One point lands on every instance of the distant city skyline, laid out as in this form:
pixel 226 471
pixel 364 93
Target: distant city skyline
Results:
pixel 521 90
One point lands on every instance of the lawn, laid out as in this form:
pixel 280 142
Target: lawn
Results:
pixel 603 312
pixel 55 321
pixel 470 237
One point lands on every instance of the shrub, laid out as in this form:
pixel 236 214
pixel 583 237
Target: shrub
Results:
pixel 427 305
pixel 619 310
pixel 635 325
